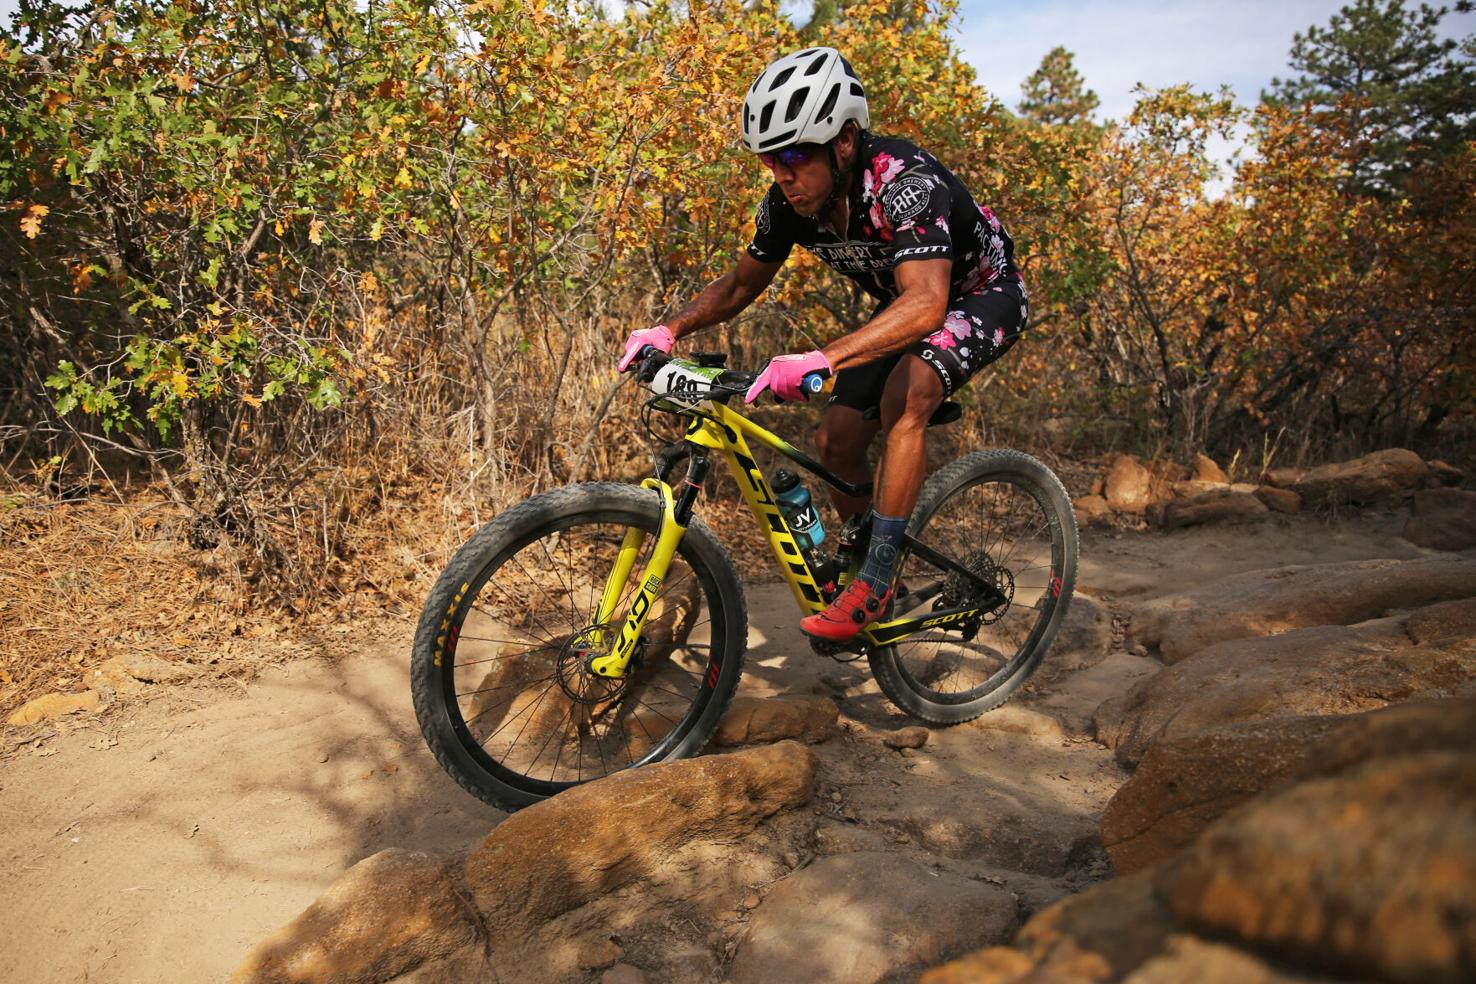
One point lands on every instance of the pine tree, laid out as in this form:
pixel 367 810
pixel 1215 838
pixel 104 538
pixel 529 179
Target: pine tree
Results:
pixel 1056 93
pixel 1383 75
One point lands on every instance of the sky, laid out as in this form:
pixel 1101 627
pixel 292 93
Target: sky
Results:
pixel 1119 43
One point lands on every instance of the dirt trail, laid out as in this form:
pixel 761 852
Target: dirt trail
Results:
pixel 161 840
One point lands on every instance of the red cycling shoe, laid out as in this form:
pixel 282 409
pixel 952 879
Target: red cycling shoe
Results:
pixel 856 608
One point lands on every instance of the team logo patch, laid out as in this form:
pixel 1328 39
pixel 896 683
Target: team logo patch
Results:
pixel 761 221
pixel 906 198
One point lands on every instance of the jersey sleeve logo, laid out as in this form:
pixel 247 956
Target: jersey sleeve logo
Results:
pixel 761 221
pixel 906 198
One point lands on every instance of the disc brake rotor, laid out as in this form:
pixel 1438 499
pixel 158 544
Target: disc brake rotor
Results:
pixel 575 678
pixel 960 591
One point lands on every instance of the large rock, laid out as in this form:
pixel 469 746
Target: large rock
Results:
pixel 563 852
pixel 1443 519
pixel 130 674
pixel 1324 670
pixel 865 917
pixel 1004 830
pixel 1189 959
pixel 1206 470
pixel 1129 485
pixel 1279 500
pixel 1092 510
pixel 1183 785
pixel 1217 506
pixel 53 706
pixel 385 916
pixel 752 720
pixel 1084 640
pixel 1098 935
pixel 1445 623
pixel 1013 718
pixel 1445 474
pixel 1382 475
pixel 1260 603
pixel 1371 873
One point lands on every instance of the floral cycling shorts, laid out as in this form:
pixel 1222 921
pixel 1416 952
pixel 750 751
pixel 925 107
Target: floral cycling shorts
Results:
pixel 980 327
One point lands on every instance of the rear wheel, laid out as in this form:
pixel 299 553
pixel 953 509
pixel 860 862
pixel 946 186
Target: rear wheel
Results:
pixel 500 671
pixel 1005 518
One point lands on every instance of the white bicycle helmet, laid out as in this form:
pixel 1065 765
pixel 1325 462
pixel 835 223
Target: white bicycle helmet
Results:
pixel 805 97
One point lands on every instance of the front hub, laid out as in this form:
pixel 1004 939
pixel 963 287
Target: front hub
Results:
pixel 575 672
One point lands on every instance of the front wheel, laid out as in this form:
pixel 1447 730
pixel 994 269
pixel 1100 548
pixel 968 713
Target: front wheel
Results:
pixel 500 669
pixel 1006 519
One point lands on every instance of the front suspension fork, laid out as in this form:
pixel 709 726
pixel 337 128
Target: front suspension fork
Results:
pixel 676 513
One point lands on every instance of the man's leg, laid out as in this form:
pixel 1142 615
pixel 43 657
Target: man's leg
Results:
pixel 913 392
pixel 843 440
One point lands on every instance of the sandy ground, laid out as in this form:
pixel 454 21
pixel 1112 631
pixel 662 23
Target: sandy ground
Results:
pixel 160 840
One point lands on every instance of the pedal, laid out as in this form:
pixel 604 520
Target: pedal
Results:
pixel 841 652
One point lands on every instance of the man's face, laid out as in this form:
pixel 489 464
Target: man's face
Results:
pixel 803 174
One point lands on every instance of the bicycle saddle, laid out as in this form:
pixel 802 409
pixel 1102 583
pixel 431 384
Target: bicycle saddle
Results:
pixel 947 413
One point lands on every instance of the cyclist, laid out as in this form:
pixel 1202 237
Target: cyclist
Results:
pixel 889 216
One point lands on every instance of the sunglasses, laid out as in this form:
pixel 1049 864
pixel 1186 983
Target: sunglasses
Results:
pixel 790 156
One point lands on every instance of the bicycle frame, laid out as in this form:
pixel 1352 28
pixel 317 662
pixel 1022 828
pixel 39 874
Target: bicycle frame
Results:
pixel 717 428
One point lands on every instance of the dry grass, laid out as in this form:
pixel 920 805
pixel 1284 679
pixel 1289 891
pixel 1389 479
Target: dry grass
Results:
pixel 83 582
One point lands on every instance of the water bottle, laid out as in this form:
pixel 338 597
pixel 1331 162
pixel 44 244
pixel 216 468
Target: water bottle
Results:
pixel 798 509
pixel 804 521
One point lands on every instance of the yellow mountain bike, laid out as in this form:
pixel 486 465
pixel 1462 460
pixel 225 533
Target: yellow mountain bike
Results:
pixel 601 626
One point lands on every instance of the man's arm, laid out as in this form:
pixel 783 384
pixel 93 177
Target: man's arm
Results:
pixel 918 311
pixel 725 296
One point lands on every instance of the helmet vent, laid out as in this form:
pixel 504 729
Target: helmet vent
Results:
pixel 765 116
pixel 828 106
pixel 781 78
pixel 796 103
pixel 815 66
pixel 857 91
pixel 778 140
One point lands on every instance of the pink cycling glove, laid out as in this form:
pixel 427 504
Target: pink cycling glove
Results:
pixel 660 337
pixel 785 373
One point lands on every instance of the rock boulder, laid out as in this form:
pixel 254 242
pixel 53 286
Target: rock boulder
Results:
pixel 1279 500
pixel 384 917
pixel 1092 510
pixel 1205 470
pixel 1217 506
pixel 52 706
pixel 1129 485
pixel 754 720
pixel 1443 519
pixel 1182 785
pixel 1330 669
pixel 1098 935
pixel 1371 873
pixel 589 840
pixel 1260 603
pixel 864 917
pixel 1379 476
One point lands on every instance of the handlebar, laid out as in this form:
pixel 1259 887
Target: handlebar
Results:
pixel 731 382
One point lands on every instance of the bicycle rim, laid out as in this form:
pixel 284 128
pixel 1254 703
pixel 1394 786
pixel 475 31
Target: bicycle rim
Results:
pixel 1004 529
pixel 521 700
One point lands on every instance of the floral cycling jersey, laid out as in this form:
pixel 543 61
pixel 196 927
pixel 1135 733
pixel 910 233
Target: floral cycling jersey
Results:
pixel 904 205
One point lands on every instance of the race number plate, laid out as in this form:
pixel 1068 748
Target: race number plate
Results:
pixel 684 382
